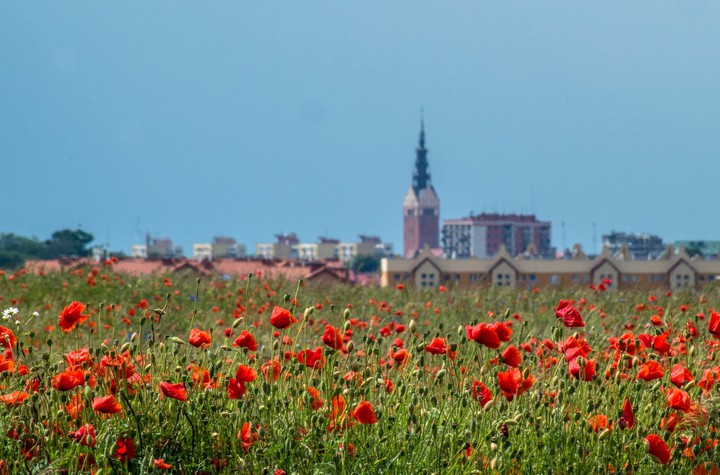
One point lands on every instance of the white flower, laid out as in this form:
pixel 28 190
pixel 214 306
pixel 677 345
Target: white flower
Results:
pixel 36 313
pixel 9 312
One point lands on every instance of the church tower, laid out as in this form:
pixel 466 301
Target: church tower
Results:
pixel 421 207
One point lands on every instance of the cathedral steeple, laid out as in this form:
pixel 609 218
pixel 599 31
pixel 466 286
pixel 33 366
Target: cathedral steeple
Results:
pixel 421 206
pixel 421 176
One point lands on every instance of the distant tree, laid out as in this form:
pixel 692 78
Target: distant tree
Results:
pixel 66 243
pixel 693 251
pixel 11 260
pixel 365 263
pixel 26 247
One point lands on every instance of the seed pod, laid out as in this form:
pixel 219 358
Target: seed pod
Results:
pixel 237 322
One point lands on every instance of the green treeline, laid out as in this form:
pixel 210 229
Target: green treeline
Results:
pixel 15 250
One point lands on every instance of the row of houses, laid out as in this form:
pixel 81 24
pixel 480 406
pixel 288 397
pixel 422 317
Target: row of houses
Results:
pixel 673 270
pixel 320 273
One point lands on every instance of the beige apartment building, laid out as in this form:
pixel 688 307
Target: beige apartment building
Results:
pixel 673 270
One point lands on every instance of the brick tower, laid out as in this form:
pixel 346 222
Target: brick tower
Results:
pixel 421 207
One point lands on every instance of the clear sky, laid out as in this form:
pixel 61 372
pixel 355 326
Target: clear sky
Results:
pixel 190 119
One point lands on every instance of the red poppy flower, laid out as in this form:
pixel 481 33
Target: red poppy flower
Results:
pixel 160 464
pixel 503 331
pixel 246 340
pixel 511 356
pixel 281 318
pixel 235 389
pixel 364 413
pixel 7 338
pixel 586 372
pixel 271 370
pixel 14 399
pixel 245 374
pixel 481 393
pixel 332 337
pixel 174 390
pixel 508 384
pixel 714 324
pixel 85 435
pixel 437 346
pixel 125 449
pixel 650 370
pixel 199 338
pixel 317 402
pixel 68 379
pixel 106 405
pixel 678 399
pixel 247 436
pixel 7 365
pixel 312 358
pixel 627 420
pixel 568 314
pixel 484 335
pixel 657 447
pixel 78 357
pixel 598 422
pixel 680 375
pixel 72 316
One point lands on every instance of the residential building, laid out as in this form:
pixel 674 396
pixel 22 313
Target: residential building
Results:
pixel 421 207
pixel 708 249
pixel 639 246
pixel 138 251
pixel 282 248
pixel 162 248
pixel 674 270
pixel 483 235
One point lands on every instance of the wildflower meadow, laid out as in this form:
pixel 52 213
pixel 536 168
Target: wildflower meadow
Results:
pixel 107 373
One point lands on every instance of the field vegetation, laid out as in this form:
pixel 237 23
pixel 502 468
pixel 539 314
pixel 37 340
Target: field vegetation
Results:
pixel 106 373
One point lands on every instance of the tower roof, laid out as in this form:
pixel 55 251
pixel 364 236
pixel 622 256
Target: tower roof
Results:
pixel 421 176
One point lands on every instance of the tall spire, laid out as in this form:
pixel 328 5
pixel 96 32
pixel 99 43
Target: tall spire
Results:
pixel 421 176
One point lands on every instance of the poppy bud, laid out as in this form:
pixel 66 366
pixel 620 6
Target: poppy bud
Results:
pixel 286 297
pixel 176 340
pixel 346 313
pixel 308 311
pixel 237 322
pixel 276 345
pixel 125 347
pixel 412 326
pixel 460 331
pixel 441 374
pixel 604 434
pixel 346 326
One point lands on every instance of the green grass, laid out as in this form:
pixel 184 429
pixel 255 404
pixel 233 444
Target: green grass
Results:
pixel 428 423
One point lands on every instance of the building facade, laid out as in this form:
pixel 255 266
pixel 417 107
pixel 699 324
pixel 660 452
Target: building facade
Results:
pixel 421 207
pixel 675 270
pixel 483 235
pixel 639 246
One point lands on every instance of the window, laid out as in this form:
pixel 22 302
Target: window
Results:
pixel 473 277
pixel 575 278
pixel 554 279
pixel 533 277
pixel 624 278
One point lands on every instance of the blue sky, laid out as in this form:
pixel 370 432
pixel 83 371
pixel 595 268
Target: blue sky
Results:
pixel 191 119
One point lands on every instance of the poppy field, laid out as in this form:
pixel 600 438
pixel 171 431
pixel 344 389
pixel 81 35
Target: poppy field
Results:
pixel 106 373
